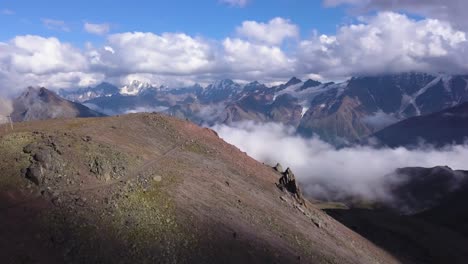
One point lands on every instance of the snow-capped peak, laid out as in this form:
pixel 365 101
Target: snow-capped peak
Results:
pixel 223 84
pixel 135 87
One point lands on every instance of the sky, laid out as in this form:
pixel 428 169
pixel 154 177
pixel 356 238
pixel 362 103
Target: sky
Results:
pixel 71 44
pixel 208 18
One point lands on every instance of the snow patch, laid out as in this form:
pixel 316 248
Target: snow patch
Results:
pixel 304 110
pixel 134 88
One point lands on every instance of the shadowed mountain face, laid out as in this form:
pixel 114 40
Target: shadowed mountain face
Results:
pixel 363 104
pixel 422 189
pixel 146 188
pixel 426 222
pixel 449 126
pixel 337 112
pixel 41 104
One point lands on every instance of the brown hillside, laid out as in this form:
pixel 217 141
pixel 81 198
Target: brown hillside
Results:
pixel 146 188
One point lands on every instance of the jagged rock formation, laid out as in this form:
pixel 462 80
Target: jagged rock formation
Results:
pixel 287 182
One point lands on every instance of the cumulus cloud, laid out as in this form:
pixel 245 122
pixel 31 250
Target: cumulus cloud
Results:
pixel 329 173
pixel 387 42
pixel 38 61
pixel 237 3
pixel 256 60
pixel 54 24
pixel 38 55
pixel 273 33
pixel 97 29
pixel 453 11
pixel 168 53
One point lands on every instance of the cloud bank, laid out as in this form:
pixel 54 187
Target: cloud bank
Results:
pixel 325 172
pixel 274 32
pixel 385 42
pixel 453 11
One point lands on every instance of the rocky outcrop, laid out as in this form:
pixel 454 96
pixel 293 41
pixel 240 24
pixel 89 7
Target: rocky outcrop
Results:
pixel 45 161
pixel 288 183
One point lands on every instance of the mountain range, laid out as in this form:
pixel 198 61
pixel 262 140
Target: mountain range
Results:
pixel 337 112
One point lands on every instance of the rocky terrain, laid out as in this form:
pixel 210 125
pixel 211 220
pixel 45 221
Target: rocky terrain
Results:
pixel 146 188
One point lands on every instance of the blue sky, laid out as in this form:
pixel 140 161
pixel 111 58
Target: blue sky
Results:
pixel 208 18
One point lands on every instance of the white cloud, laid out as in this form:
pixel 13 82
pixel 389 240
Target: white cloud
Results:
pixel 238 3
pixel 380 120
pixel 387 42
pixel 169 53
pixel 327 172
pixel 97 29
pixel 55 24
pixel 34 60
pixel 258 60
pixel 109 49
pixel 274 32
pixel 38 55
pixel 453 11
pixel 382 43
pixel 7 12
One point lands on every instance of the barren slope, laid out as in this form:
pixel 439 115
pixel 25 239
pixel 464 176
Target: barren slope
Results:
pixel 146 188
pixel 42 104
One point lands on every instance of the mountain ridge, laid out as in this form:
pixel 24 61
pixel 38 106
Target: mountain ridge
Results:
pixel 41 104
pixel 446 127
pixel 336 112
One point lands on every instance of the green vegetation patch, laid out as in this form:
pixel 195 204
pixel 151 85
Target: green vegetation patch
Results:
pixel 146 218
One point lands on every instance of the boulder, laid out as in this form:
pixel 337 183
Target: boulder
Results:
pixel 35 174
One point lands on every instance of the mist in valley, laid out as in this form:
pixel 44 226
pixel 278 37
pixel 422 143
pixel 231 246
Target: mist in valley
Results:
pixel 328 173
pixel 6 107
